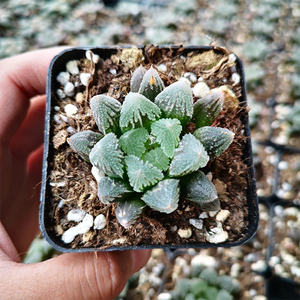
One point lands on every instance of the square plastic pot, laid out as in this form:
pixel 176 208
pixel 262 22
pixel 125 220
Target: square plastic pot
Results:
pixel 58 65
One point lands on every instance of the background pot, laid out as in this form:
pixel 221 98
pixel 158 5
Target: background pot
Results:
pixel 57 66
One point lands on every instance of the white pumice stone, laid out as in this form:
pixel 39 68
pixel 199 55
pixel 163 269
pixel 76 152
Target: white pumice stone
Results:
pixel 279 269
pixel 283 165
pixel 95 57
pixel 216 235
pixel 291 211
pixel 201 89
pixel 71 110
pixel 113 71
pixel 57 108
pixel 100 222
pixel 295 271
pixel 57 119
pixel 97 173
pixel 72 67
pixel 274 260
pixel 162 68
pixel 69 89
pixel 185 233
pixel 213 213
pixel 61 203
pixel 200 79
pixel 69 235
pixel 84 78
pixel 236 78
pixel 63 78
pixel 60 93
pixel 203 215
pixel 57 183
pixel 196 223
pixel 76 215
pixel 235 270
pixel 185 80
pixel 204 260
pixel 232 57
pixel 71 130
pixel 223 215
pixel 164 296
pixel 190 76
pixel 259 266
pixel 85 225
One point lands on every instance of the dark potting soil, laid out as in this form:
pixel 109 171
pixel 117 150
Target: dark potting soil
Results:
pixel 73 186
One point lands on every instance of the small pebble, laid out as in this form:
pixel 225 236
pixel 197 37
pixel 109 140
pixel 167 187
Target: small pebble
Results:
pixel 184 80
pixel 274 260
pixel 69 235
pixel 286 186
pixel 291 211
pixel 295 271
pixel 279 269
pixel 79 97
pixel 260 297
pixel 235 270
pixel 60 93
pixel 164 296
pixel 185 233
pixel 57 183
pixel 85 225
pixel 269 150
pixel 196 223
pixel 63 78
pixel 71 110
pixel 95 57
pixel 201 89
pixel 190 76
pixel 259 266
pixel 232 57
pixel 216 235
pixel 57 108
pixel 76 215
pixel 61 203
pixel 84 78
pixel 72 67
pixel 113 71
pixel 278 209
pixel 203 260
pixel 69 89
pixel 154 280
pixel 203 215
pixel 97 173
pixel 223 215
pixel 100 222
pixel 287 258
pixel 236 78
pixel 64 118
pixel 200 79
pixel 162 68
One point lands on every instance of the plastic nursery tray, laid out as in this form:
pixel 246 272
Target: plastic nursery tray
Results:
pixel 58 65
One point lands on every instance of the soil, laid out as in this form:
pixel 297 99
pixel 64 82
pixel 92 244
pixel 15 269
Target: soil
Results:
pixel 73 185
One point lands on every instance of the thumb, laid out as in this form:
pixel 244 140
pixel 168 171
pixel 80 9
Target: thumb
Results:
pixel 100 275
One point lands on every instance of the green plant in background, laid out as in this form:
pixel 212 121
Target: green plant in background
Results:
pixel 208 285
pixel 143 153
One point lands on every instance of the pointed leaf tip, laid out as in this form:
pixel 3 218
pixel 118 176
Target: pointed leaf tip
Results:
pixel 137 111
pixel 129 211
pixel 107 156
pixel 106 112
pixel 199 190
pixel 151 84
pixel 214 139
pixel 163 197
pixel 176 102
pixel 189 157
pixel 207 109
pixel 83 142
pixel 137 78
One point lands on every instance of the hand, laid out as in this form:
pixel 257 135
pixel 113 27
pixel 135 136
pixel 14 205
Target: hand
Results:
pixel 68 276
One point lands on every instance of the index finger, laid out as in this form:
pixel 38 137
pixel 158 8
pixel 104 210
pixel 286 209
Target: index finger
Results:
pixel 22 77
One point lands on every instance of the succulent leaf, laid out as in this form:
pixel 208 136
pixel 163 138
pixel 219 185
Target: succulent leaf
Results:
pixel 83 142
pixel 214 139
pixel 141 174
pixel 129 211
pixel 137 78
pixel 157 158
pixel 207 109
pixel 199 190
pixel 167 132
pixel 176 102
pixel 112 190
pixel 107 156
pixel 133 141
pixel 164 196
pixel 106 112
pixel 189 157
pixel 137 111
pixel 151 84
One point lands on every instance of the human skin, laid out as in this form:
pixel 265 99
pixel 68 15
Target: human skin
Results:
pixel 99 275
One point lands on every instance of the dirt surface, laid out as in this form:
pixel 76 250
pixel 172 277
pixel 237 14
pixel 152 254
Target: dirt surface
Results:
pixel 73 185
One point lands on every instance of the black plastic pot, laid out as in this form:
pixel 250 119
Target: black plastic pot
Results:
pixel 58 65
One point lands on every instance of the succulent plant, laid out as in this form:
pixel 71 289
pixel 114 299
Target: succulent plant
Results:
pixel 144 152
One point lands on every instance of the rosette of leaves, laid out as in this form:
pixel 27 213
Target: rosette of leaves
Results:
pixel 144 152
